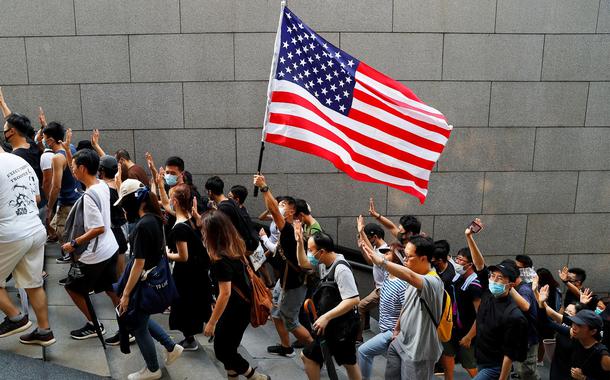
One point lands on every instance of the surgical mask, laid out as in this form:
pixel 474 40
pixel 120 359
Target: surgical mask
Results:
pixel 171 179
pixel 312 260
pixel 598 311
pixel 497 288
pixel 527 275
pixel 459 269
pixel 45 145
pixel 283 211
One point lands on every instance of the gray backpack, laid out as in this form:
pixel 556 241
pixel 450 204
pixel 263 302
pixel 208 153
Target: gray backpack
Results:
pixel 75 223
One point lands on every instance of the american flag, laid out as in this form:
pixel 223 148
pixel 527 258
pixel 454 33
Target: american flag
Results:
pixel 324 102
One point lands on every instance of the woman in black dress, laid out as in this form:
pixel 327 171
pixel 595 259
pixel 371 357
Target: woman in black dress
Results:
pixel 193 308
pixel 231 314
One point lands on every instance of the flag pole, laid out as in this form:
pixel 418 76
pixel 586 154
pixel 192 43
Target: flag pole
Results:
pixel 276 53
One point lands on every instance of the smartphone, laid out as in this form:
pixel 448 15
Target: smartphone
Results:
pixel 475 227
pixel 116 309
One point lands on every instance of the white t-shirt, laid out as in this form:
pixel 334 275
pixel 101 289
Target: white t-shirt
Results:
pixel 378 272
pixel 18 190
pixel 93 217
pixel 46 160
pixel 343 277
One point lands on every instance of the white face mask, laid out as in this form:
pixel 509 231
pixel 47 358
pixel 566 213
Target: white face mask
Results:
pixel 459 269
pixel 283 211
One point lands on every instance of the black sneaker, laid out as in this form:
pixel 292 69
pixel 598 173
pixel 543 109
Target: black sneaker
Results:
pixel 9 327
pixel 297 344
pixel 281 350
pixel 64 260
pixel 115 340
pixel 35 337
pixel 62 282
pixel 86 332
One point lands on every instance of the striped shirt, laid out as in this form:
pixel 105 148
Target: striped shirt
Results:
pixel 391 299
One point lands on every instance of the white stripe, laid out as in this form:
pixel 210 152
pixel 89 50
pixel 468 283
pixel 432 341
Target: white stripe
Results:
pixel 297 110
pixel 394 94
pixel 362 128
pixel 313 138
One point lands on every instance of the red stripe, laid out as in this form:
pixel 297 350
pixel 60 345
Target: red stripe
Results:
pixel 390 150
pixel 384 79
pixel 289 97
pixel 403 104
pixel 299 122
pixel 371 100
pixel 336 160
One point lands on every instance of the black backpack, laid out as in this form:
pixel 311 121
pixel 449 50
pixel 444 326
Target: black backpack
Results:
pixel 245 228
pixel 326 297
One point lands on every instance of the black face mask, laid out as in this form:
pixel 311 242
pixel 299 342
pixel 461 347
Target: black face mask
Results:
pixel 402 237
pixel 132 209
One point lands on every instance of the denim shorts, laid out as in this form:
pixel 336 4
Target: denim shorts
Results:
pixel 286 305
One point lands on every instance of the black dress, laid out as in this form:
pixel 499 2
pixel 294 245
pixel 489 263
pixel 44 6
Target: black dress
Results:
pixel 193 307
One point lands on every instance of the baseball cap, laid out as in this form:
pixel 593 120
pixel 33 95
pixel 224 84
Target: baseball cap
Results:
pixel 588 318
pixel 508 268
pixel 110 163
pixel 129 186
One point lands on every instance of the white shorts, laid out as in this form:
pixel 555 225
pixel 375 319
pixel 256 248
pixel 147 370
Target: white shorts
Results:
pixel 24 259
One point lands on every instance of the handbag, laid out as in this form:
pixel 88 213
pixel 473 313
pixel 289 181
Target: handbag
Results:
pixel 156 290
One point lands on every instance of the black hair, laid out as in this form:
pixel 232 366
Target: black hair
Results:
pixel 215 185
pixel 323 241
pixel 84 144
pixel 424 246
pixel 301 206
pixel 20 123
pixel 109 173
pixel 280 198
pixel 441 250
pixel 55 131
pixel 89 159
pixel 410 223
pixel 372 229
pixel 465 252
pixel 240 192
pixel 175 161
pixel 289 201
pixel 122 154
pixel 579 273
pixel 525 260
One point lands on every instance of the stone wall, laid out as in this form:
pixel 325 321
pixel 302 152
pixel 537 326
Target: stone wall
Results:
pixel 526 85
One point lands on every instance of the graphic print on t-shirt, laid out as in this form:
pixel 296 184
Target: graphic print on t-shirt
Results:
pixel 24 184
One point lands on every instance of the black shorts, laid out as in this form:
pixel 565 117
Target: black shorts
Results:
pixel 97 277
pixel 119 235
pixel 343 351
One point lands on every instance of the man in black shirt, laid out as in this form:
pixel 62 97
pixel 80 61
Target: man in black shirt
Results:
pixel 590 358
pixel 289 291
pixel 501 326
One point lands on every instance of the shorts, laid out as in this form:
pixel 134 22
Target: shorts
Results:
pixel 24 259
pixel 462 354
pixel 343 351
pixel 97 277
pixel 287 304
pixel 119 235
pixel 58 223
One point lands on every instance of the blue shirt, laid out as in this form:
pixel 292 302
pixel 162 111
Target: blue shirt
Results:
pixel 525 290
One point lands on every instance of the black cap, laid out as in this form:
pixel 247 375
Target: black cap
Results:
pixel 373 229
pixel 109 163
pixel 588 318
pixel 508 268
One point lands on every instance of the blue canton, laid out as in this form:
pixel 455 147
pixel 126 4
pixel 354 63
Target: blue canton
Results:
pixel 311 62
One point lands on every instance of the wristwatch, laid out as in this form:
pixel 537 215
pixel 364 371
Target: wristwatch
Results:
pixel 73 243
pixel 264 189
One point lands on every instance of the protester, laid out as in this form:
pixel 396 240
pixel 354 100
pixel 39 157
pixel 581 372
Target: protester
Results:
pixel 270 242
pixel 574 279
pixel 501 327
pixel 391 300
pixel 192 263
pixel 338 323
pixel 147 247
pixel 440 262
pixel 408 225
pixel 22 239
pixel 289 291
pixel 465 292
pixel 231 314
pixel 416 348
pixel 372 234
pixel 239 194
pixel 128 168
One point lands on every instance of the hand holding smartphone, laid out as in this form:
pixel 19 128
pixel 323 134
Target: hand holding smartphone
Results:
pixel 475 226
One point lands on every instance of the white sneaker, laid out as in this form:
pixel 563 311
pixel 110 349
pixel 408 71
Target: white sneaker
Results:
pixel 173 355
pixel 145 374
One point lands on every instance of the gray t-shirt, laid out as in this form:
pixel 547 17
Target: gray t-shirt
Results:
pixel 418 337
pixel 343 277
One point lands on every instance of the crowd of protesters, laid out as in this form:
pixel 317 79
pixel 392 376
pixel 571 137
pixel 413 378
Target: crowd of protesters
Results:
pixel 117 227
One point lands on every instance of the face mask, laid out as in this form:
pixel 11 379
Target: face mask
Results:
pixel 171 179
pixel 400 236
pixel 45 145
pixel 496 288
pixel 527 274
pixel 459 269
pixel 598 311
pixel 312 260
pixel 283 211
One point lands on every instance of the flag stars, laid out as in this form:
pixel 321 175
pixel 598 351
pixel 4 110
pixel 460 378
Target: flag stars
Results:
pixel 324 91
pixel 295 66
pixel 293 41
pixel 282 60
pixel 333 87
pixel 330 63
pixel 319 81
pixel 348 79
pixel 306 73
pixel 312 46
pixel 315 70
pixel 329 77
pixel 298 52
pixel 328 101
pixel 335 73
pixel 345 94
pixel 300 38
pixel 338 98
pixel 281 74
pixel 317 56
pixel 341 83
pixel 310 60
pixel 302 62
pixel 285 45
pixel 288 70
pixel 295 78
pixel 288 16
pixel 342 108
pixel 289 55
pixel 337 55
pixel 316 94
pixel 350 63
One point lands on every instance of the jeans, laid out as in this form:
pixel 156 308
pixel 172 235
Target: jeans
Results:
pixel 146 329
pixel 377 345
pixel 488 373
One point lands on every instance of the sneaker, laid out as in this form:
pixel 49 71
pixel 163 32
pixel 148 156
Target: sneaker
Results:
pixel 145 374
pixel 115 340
pixel 297 344
pixel 189 346
pixel 86 332
pixel 64 260
pixel 173 355
pixel 35 337
pixel 62 282
pixel 281 350
pixel 9 327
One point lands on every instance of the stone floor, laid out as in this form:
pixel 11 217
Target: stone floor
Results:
pixel 66 358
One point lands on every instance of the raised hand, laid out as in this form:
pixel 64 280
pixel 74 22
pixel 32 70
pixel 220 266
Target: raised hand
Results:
pixel 360 223
pixel 262 232
pixel 42 119
pixel 543 294
pixel 118 177
pixel 298 230
pixel 95 137
pixel 259 180
pixel 68 138
pixel 151 165
pixel 586 296
pixel 469 232
pixel 2 102
pixel 372 211
pixel 563 274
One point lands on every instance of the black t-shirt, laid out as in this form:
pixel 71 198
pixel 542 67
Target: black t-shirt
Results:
pixel 467 314
pixel 501 328
pixel 32 156
pixel 146 240
pixel 570 298
pixel 184 231
pixel 117 215
pixel 589 360
pixel 447 277
pixel 230 208
pixel 234 271
pixel 294 277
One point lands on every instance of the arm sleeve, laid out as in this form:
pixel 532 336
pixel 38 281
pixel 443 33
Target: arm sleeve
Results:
pixel 223 271
pixel 92 215
pixel 483 276
pixel 142 242
pixel 515 338
pixel 345 282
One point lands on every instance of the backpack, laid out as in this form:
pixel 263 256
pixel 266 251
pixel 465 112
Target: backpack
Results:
pixel 326 297
pixel 445 325
pixel 260 301
pixel 245 228
pixel 75 223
